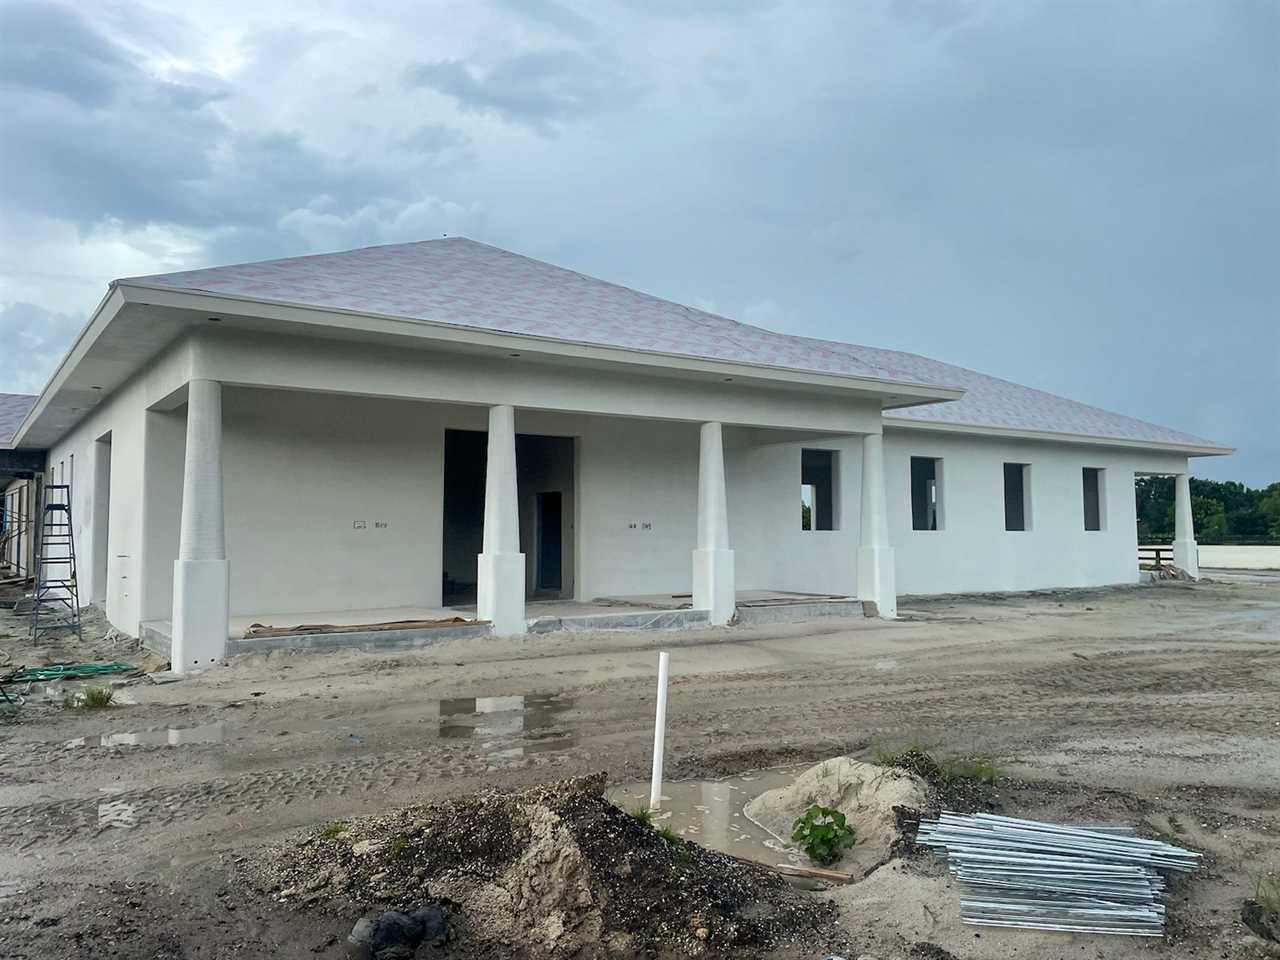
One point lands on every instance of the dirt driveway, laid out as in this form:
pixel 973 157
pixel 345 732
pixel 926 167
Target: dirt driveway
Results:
pixel 1158 704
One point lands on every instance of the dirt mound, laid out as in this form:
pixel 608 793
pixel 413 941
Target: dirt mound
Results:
pixel 553 871
pixel 865 793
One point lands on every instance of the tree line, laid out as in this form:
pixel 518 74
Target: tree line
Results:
pixel 1222 510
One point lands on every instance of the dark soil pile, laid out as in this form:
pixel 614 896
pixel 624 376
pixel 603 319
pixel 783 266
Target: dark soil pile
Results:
pixel 958 794
pixel 553 871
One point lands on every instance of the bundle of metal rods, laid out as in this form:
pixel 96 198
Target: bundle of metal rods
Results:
pixel 1046 876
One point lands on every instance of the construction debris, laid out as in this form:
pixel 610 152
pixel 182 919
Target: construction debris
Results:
pixel 263 630
pixel 1044 876
pixel 554 871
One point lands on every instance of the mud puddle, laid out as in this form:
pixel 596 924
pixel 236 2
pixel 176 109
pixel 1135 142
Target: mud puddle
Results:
pixel 171 737
pixel 508 727
pixel 709 812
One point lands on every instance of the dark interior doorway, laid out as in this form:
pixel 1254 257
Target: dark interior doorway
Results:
pixel 545 490
pixel 549 527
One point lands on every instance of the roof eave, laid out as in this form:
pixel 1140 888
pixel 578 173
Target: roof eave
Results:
pixel 1161 446
pixel 102 315
pixel 906 393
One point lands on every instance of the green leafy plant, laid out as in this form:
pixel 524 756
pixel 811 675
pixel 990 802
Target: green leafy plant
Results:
pixel 398 846
pixel 332 830
pixel 823 834
pixel 643 815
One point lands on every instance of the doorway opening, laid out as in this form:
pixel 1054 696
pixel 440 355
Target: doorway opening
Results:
pixel 101 516
pixel 549 574
pixel 545 491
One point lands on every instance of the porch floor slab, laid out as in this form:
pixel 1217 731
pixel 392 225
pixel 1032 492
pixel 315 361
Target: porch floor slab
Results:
pixel 641 612
pixel 344 618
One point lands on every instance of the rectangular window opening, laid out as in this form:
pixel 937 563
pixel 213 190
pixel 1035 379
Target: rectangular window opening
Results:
pixel 926 493
pixel 1095 505
pixel 818 490
pixel 1017 500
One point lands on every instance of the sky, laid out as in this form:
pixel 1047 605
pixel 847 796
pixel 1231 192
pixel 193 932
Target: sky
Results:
pixel 1079 195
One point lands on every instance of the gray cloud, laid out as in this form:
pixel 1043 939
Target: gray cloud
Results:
pixel 542 88
pixel 47 49
pixel 1080 198
pixel 35 340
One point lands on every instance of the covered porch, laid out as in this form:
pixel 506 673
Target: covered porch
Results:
pixel 352 509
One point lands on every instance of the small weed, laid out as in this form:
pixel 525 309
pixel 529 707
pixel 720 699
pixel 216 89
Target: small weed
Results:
pixel 939 769
pixel 823 834
pixel 398 846
pixel 883 757
pixel 669 835
pixel 333 829
pixel 642 815
pixel 982 768
pixel 1267 892
pixel 91 698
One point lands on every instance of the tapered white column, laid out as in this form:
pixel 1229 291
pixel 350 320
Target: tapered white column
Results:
pixel 875 556
pixel 1186 555
pixel 500 568
pixel 200 591
pixel 713 587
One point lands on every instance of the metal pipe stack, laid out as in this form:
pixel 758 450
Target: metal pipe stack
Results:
pixel 1046 876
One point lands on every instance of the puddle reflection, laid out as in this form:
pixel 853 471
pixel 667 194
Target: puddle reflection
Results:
pixel 172 737
pixel 495 721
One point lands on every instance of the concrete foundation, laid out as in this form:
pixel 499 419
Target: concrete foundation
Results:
pixel 754 616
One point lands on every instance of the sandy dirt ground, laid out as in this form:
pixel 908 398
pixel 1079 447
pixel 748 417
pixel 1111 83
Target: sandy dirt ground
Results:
pixel 121 828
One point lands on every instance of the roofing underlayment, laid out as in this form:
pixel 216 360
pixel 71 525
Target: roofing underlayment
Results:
pixel 13 407
pixel 463 283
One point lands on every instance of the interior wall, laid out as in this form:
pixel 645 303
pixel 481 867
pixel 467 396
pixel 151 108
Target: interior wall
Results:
pixel 545 465
pixel 332 502
pixel 974 552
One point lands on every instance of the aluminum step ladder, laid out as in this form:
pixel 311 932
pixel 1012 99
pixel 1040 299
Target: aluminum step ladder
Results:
pixel 55 605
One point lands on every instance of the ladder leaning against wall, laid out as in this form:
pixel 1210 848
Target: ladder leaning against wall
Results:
pixel 56 602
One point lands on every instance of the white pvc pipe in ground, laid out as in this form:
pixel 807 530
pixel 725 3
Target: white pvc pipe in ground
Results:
pixel 659 734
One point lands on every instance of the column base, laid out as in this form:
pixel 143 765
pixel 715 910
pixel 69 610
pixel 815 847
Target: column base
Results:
pixel 713 587
pixel 200 614
pixel 876 582
pixel 500 591
pixel 1186 557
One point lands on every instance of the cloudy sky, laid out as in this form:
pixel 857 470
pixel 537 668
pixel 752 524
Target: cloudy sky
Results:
pixel 1081 195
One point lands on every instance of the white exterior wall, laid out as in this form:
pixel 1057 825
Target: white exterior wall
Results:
pixel 643 473
pixel 772 551
pixel 138 492
pixel 301 470
pixel 301 466
pixel 974 552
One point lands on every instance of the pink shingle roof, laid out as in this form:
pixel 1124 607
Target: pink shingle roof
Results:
pixel 13 407
pixel 464 283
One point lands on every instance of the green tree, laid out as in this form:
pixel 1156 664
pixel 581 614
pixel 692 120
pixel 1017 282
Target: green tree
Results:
pixel 1209 517
pixel 1154 503
pixel 1269 507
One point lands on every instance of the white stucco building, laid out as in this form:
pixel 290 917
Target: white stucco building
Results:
pixel 413 428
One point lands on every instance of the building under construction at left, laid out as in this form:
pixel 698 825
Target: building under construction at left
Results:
pixel 21 484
